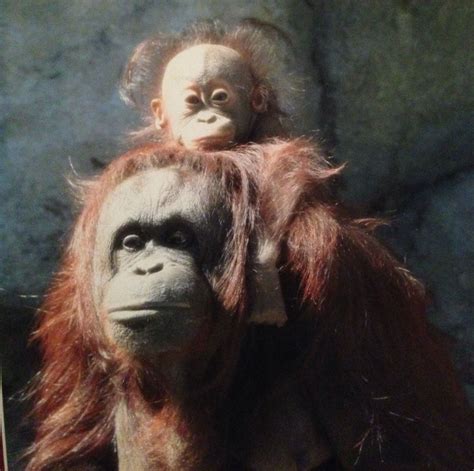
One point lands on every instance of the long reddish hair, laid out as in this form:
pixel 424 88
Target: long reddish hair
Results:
pixel 382 383
pixel 77 388
pixel 382 387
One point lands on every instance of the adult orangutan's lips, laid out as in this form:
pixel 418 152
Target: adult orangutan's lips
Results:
pixel 143 312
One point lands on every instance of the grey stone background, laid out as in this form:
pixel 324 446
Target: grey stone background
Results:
pixel 389 90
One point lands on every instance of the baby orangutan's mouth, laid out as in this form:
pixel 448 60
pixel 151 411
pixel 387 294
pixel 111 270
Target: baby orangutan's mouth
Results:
pixel 214 142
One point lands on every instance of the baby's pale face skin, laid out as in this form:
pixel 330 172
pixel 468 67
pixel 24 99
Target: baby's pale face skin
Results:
pixel 206 98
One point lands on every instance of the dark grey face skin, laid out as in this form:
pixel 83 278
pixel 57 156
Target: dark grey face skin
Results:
pixel 160 235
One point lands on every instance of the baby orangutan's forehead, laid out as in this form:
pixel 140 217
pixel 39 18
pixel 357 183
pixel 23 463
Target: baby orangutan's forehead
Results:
pixel 206 62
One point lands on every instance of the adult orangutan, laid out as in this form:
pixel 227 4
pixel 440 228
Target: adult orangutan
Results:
pixel 149 361
pixel 140 332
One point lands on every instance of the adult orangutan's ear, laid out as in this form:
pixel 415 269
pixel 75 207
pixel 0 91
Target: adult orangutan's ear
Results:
pixel 259 99
pixel 157 109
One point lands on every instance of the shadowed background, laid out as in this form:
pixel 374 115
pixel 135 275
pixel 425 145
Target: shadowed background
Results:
pixel 389 90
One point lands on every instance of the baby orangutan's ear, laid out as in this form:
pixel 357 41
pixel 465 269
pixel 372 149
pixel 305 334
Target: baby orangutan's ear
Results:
pixel 157 108
pixel 259 99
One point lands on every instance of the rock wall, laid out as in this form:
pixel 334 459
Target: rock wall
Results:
pixel 389 90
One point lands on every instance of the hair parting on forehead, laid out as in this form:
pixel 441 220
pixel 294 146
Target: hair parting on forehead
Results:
pixel 260 44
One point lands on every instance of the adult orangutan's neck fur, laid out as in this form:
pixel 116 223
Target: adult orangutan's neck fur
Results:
pixel 182 434
pixel 168 416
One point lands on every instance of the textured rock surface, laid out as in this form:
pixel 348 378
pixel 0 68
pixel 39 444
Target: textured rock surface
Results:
pixel 400 93
pixel 389 86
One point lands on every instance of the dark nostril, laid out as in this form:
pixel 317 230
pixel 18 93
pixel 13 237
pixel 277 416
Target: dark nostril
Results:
pixel 155 268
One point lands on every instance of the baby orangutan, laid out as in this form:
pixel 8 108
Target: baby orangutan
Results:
pixel 208 98
pixel 210 87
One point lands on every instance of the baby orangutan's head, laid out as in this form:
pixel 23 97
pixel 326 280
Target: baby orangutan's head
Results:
pixel 211 86
pixel 208 98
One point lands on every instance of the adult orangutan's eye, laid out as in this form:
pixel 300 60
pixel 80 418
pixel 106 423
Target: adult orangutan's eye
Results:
pixel 220 96
pixel 133 242
pixel 179 239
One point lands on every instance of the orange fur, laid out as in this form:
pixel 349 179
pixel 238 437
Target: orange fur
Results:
pixel 357 341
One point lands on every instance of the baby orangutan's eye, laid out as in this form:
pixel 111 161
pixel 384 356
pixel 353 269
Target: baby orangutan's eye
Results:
pixel 220 97
pixel 192 100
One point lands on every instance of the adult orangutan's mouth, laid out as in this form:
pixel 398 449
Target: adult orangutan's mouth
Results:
pixel 143 312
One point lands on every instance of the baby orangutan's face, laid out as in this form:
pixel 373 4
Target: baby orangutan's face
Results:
pixel 208 99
